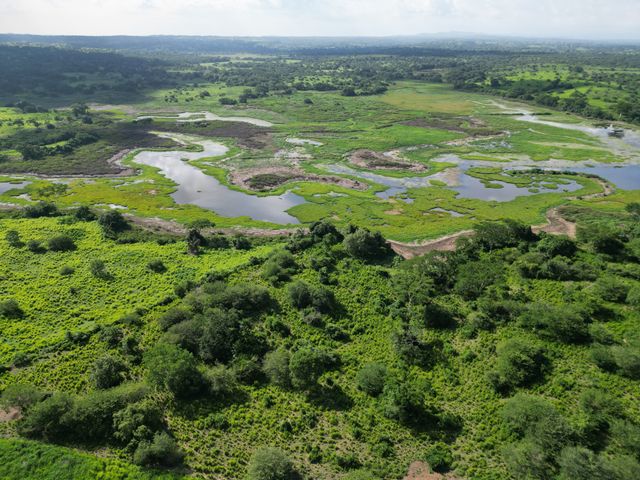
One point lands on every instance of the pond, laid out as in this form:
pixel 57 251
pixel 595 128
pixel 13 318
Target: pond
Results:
pixel 456 179
pixel 194 187
pixel 6 186
pixel 200 116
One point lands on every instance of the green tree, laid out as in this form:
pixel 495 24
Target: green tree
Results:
pixel 307 365
pixel 270 464
pixel 276 367
pixel 173 368
pixel 371 378
pixel 108 371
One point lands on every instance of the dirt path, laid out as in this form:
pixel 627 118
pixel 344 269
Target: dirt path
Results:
pixel 442 244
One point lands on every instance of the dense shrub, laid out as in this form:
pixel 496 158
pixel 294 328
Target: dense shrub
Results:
pixel 561 323
pixel 108 371
pixel 137 422
pixel 366 245
pixel 474 278
pixel 22 396
pixel 279 267
pixel 220 333
pixel 519 363
pixel 99 270
pixel 371 378
pixel 112 223
pixel 10 308
pixel 270 464
pixel 307 365
pixel 172 317
pixel 173 368
pixel 156 266
pixel 13 239
pixel 161 451
pixel 439 457
pixel 402 401
pixel 41 209
pixel 45 420
pixel 61 243
pixel 554 245
pixel 187 335
pixel 276 367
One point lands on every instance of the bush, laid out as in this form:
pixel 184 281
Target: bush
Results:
pixel 173 317
pixel 439 457
pixel 403 402
pixel 21 396
pixel 137 422
pixel 11 309
pixel 519 363
pixel 99 270
pixel 156 266
pixel 161 451
pixel 611 289
pixel 627 359
pixel 61 243
pixel 579 462
pixel 35 246
pixel 44 420
pixel 633 297
pixel 187 335
pixel 279 267
pixel 561 323
pixel 107 371
pixel 13 239
pixel 270 464
pixel 220 380
pixel 299 294
pixel 371 378
pixel 221 331
pixel 474 278
pixel 537 420
pixel 84 214
pixel 67 270
pixel 366 245
pixel 41 209
pixel 307 365
pixel 112 223
pixel 173 368
pixel 276 367
pixel 111 335
pixel 554 245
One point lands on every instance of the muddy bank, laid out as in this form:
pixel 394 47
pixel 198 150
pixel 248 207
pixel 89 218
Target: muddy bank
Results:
pixel 383 161
pixel 268 178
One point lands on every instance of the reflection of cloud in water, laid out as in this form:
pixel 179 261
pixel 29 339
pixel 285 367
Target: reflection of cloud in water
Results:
pixel 197 188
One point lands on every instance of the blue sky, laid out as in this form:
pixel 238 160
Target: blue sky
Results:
pixel 589 19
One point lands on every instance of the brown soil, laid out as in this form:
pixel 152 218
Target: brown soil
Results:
pixel 10 414
pixel 276 176
pixel 382 161
pixel 421 471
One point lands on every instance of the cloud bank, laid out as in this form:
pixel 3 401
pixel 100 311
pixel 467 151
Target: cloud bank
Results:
pixel 588 19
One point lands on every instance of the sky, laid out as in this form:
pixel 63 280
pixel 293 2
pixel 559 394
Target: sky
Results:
pixel 582 19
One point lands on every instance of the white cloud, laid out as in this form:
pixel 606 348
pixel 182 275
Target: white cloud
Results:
pixel 565 18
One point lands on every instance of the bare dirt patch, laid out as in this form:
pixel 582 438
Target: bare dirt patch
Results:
pixel 382 161
pixel 10 414
pixel 421 471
